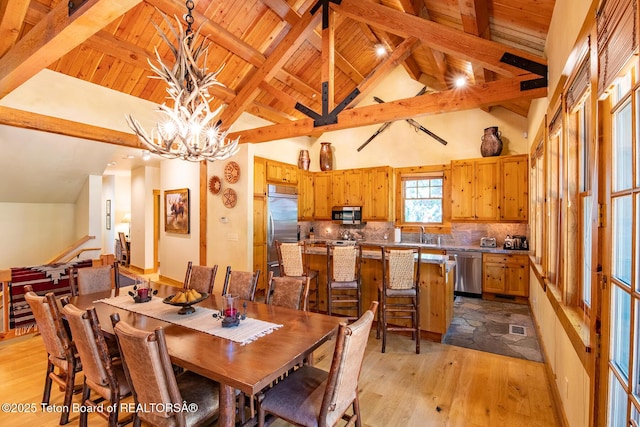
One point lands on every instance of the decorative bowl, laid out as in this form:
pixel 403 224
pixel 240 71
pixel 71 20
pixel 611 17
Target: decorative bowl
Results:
pixel 186 306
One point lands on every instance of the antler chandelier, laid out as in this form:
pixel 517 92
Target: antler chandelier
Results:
pixel 189 131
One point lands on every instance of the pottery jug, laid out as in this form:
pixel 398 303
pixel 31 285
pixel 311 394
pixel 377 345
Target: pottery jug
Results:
pixel 326 157
pixel 491 142
pixel 303 160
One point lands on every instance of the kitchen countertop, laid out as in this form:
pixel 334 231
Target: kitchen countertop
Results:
pixel 452 248
pixel 376 254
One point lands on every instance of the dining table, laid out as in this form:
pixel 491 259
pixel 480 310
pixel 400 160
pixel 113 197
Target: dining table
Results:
pixel 247 367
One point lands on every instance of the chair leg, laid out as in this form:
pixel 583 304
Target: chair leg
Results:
pixel 356 410
pixel 68 394
pixel 86 394
pixel 418 326
pixel 384 324
pixel 261 414
pixel 46 395
pixel 113 415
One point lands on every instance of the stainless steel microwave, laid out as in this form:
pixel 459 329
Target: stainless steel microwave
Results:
pixel 347 214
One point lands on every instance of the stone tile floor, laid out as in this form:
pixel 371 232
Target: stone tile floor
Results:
pixel 485 325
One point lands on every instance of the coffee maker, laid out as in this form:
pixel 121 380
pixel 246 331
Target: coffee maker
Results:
pixel 520 242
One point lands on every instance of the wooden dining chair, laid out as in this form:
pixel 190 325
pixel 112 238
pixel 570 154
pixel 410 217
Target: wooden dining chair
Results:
pixel 200 278
pixel 241 283
pixel 293 261
pixel 103 374
pixel 61 352
pixel 399 292
pixel 149 370
pixel 290 292
pixel 344 284
pixel 89 280
pixel 125 256
pixel 310 396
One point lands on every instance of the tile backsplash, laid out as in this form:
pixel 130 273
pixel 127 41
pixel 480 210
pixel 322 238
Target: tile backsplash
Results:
pixel 462 234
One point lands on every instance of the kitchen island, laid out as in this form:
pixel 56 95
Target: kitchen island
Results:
pixel 436 284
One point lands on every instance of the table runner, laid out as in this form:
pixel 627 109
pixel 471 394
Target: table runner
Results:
pixel 202 320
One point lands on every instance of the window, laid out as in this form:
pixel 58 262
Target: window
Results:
pixel 422 199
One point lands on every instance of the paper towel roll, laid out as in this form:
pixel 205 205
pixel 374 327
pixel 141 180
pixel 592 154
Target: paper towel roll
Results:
pixel 397 235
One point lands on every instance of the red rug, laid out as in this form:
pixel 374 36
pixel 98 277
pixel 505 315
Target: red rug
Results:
pixel 43 278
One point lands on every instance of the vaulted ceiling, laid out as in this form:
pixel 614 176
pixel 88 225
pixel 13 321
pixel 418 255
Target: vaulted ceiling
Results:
pixel 278 53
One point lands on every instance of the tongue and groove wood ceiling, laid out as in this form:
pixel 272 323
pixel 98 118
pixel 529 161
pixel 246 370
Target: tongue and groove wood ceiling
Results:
pixel 276 53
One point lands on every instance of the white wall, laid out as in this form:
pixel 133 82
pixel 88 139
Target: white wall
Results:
pixel 32 233
pixel 570 377
pixel 143 181
pixel 176 250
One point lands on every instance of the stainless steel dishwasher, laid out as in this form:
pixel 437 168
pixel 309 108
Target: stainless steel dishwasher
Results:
pixel 468 273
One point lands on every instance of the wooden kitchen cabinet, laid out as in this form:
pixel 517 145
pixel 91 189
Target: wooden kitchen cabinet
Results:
pixel 338 188
pixel 505 274
pixel 322 200
pixel 353 188
pixel 259 176
pixel 514 198
pixel 376 200
pixel 281 173
pixel 305 195
pixel 474 193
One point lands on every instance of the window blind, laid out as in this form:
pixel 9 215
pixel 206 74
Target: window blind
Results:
pixel 580 83
pixel 616 30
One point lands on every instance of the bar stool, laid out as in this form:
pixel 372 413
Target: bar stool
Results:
pixel 293 261
pixel 344 290
pixel 399 292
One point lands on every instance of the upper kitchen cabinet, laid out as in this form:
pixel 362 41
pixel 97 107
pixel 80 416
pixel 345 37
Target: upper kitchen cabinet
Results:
pixel 377 195
pixel 322 200
pixel 305 195
pixel 259 176
pixel 514 197
pixel 347 187
pixel 281 173
pixel 474 194
pixel 489 189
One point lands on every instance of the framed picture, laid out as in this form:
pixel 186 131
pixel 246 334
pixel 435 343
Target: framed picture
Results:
pixel 108 214
pixel 176 211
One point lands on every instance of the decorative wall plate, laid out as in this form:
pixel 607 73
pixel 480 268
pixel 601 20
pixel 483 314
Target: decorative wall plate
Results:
pixel 232 172
pixel 229 198
pixel 215 185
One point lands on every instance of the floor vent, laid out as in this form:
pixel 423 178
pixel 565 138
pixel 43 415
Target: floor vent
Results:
pixel 518 330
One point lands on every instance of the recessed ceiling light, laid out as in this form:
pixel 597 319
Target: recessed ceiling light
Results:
pixel 380 49
pixel 461 81
pixel 130 156
pixel 146 155
pixel 111 163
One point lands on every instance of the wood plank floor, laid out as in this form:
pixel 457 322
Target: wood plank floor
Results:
pixel 443 386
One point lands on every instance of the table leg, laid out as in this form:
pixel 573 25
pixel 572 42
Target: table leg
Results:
pixel 227 416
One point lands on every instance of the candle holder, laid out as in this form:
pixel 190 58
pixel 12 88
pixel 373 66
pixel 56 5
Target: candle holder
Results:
pixel 230 314
pixel 142 291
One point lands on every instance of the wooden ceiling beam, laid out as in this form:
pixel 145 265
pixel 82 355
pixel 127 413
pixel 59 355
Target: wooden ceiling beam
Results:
pixel 475 20
pixel 55 36
pixel 214 32
pixel 274 62
pixel 268 113
pixel 40 122
pixel 286 13
pixel 12 13
pixel 297 84
pixel 328 72
pixel 437 36
pixel 397 57
pixel 490 93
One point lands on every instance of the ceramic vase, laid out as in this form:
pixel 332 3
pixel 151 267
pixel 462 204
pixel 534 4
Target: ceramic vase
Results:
pixel 326 157
pixel 491 142
pixel 303 160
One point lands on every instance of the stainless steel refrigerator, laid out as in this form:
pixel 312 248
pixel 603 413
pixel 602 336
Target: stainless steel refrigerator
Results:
pixel 282 220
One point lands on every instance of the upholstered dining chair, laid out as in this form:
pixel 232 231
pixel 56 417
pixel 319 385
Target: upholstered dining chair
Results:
pixel 399 292
pixel 102 374
pixel 344 287
pixel 61 352
pixel 293 261
pixel 89 280
pixel 310 396
pixel 241 283
pixel 290 292
pixel 148 367
pixel 200 278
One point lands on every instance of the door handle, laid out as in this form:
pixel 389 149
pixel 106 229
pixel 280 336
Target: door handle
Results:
pixel 271 231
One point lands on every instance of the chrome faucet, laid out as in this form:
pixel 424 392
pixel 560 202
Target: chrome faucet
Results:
pixel 422 234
